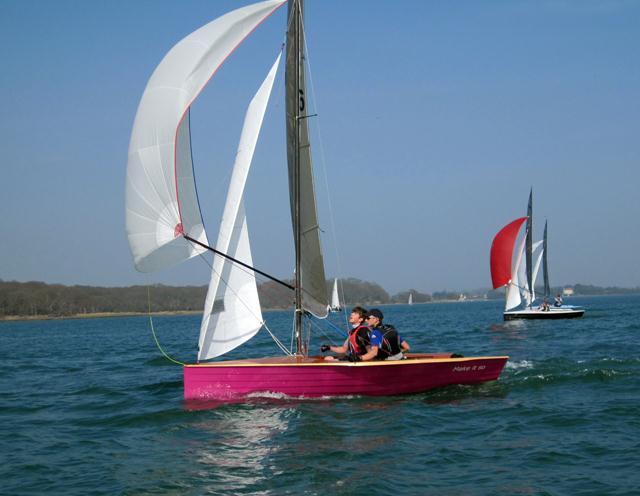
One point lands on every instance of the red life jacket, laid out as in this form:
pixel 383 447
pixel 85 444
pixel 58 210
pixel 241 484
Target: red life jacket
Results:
pixel 355 347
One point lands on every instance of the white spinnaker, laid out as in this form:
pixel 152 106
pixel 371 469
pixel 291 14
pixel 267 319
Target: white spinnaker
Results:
pixel 513 288
pixel 232 313
pixel 161 199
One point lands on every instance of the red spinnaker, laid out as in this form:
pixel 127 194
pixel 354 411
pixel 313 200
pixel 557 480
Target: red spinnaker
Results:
pixel 502 252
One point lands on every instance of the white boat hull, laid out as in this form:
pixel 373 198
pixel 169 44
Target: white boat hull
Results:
pixel 564 312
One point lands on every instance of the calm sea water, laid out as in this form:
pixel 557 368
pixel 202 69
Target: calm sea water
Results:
pixel 90 407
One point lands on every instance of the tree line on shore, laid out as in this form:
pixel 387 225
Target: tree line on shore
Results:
pixel 38 299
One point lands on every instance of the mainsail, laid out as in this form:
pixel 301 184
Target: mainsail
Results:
pixel 310 275
pixel 161 199
pixel 232 313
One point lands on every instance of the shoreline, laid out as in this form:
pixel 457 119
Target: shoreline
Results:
pixel 175 313
pixel 97 315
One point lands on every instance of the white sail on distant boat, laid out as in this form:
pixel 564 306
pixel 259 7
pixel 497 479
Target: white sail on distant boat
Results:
pixel 410 302
pixel 529 293
pixel 513 296
pixel 335 299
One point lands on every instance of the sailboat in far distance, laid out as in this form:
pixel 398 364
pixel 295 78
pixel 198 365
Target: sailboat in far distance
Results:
pixel 410 302
pixel 335 299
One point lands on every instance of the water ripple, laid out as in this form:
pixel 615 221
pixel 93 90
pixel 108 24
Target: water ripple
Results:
pixel 91 407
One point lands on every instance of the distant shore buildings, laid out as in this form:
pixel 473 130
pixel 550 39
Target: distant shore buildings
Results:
pixel 567 291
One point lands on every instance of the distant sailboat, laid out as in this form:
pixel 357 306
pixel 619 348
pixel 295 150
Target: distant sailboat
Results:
pixel 165 227
pixel 519 281
pixel 335 300
pixel 410 302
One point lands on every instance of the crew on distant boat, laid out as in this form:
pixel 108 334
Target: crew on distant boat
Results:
pixel 362 344
pixel 558 301
pixel 393 346
pixel 544 306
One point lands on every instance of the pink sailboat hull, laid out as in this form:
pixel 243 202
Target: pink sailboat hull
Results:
pixel 313 377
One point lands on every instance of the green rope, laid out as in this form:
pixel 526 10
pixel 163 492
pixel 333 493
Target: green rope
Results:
pixel 154 333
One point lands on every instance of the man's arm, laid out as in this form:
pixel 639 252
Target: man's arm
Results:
pixel 370 354
pixel 338 349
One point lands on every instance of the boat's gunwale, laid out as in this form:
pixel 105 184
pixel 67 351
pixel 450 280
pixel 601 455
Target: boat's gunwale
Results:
pixel 320 362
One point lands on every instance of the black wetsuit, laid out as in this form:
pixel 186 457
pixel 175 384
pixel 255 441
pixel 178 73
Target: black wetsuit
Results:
pixel 390 342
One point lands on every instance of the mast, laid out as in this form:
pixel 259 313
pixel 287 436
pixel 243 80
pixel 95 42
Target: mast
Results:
pixel 529 247
pixel 545 267
pixel 294 50
pixel 311 285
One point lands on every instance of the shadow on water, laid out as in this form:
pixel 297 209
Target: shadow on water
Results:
pixel 510 329
pixel 160 387
pixel 460 393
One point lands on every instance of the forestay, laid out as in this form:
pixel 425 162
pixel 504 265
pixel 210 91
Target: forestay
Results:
pixel 161 198
pixel 232 313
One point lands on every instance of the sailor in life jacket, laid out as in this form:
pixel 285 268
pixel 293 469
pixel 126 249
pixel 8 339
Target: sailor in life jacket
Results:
pixel 393 346
pixel 362 344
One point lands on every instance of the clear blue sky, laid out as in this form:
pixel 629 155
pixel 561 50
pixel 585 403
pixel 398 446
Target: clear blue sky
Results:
pixel 435 120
